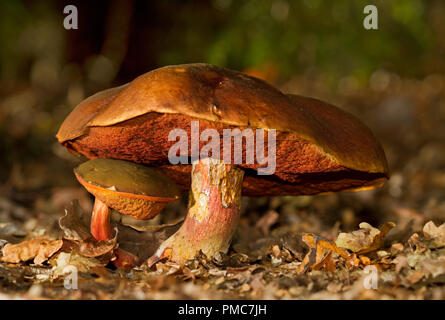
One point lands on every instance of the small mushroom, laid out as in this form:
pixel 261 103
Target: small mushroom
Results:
pixel 128 188
pixel 319 147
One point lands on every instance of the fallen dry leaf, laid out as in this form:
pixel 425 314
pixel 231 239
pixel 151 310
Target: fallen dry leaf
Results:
pixel 319 255
pixel 145 243
pixel 433 267
pixel 77 236
pixel 72 224
pixel 140 240
pixel 401 262
pixel 39 249
pixel 366 239
pixel 365 260
pixel 397 247
pixel 92 248
pixel 416 244
pixel 435 234
pixel 328 263
pixel 64 262
pixel 359 239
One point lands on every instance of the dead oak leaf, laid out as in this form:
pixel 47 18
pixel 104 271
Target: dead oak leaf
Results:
pixel 436 235
pixel 77 236
pixel 39 249
pixel 366 239
pixel 320 254
pixel 401 262
pixel 356 240
pixel 64 262
pixel 433 267
pixel 415 242
pixel 72 224
pixel 92 248
pixel 327 263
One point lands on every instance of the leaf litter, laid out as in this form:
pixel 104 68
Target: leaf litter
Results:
pixel 310 247
pixel 302 265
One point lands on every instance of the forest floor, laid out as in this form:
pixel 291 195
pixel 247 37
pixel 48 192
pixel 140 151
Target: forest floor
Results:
pixel 387 243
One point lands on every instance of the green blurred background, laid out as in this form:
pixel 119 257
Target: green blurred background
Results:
pixel 391 78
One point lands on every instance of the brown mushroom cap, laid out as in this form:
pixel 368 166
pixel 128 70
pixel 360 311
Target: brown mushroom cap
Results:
pixel 127 187
pixel 320 148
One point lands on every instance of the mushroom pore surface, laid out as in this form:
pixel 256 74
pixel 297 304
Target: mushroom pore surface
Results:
pixel 301 167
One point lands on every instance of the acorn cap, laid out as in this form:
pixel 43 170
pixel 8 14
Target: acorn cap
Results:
pixel 129 188
pixel 320 148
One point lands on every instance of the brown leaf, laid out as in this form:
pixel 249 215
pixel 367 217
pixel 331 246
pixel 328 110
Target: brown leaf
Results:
pixel 366 239
pixel 433 267
pixel 78 237
pixel 140 240
pixel 257 285
pixel 294 244
pixel 396 248
pixel 319 254
pixel 415 242
pixel 356 240
pixel 71 223
pixel 327 263
pixel 92 248
pixel 234 260
pixel 401 262
pixel 73 259
pixel 365 260
pixel 377 242
pixel 145 243
pixel 435 234
pixel 39 249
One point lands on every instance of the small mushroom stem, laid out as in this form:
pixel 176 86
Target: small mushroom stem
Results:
pixel 213 213
pixel 101 231
pixel 100 221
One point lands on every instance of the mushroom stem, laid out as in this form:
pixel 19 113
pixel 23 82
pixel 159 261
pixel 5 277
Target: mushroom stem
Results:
pixel 100 221
pixel 101 231
pixel 213 213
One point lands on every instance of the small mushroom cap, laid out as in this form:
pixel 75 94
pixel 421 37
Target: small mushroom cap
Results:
pixel 320 148
pixel 127 187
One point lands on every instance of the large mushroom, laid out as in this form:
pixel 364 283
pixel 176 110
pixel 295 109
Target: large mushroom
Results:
pixel 319 148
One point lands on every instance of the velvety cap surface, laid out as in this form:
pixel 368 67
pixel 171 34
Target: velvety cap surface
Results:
pixel 127 177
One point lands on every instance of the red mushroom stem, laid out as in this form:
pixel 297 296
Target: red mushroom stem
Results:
pixel 213 213
pixel 101 231
pixel 100 221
